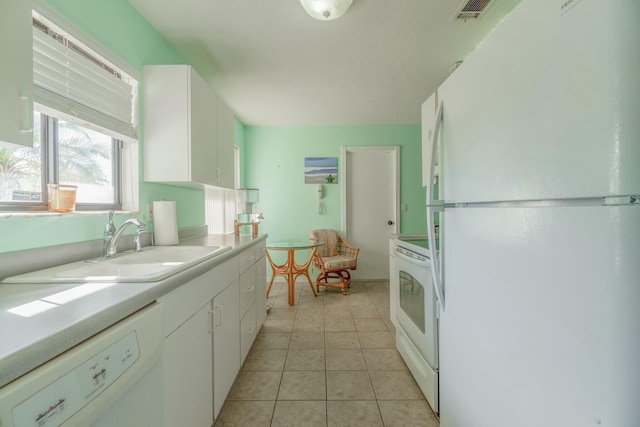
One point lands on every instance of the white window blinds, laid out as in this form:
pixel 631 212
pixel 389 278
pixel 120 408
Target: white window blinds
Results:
pixel 69 80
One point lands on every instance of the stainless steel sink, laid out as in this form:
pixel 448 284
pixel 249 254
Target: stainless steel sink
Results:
pixel 151 264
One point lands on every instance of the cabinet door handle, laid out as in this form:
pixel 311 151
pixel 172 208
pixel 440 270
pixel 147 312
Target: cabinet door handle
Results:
pixel 217 315
pixel 251 289
pixel 251 329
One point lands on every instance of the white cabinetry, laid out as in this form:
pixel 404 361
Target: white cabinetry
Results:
pixel 225 130
pixel 188 131
pixel 189 346
pixel 261 284
pixel 16 82
pixel 226 344
pixel 187 374
pixel 252 295
pixel 210 324
pixel 429 110
pixel 248 326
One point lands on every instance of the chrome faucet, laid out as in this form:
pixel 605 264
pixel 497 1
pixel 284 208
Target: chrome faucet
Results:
pixel 109 231
pixel 113 243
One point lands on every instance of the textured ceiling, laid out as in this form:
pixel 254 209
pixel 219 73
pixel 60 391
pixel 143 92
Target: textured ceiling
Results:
pixel 275 65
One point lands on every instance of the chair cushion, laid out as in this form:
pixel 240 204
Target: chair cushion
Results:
pixel 339 262
pixel 330 239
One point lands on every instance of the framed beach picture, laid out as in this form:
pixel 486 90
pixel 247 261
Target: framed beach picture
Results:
pixel 320 170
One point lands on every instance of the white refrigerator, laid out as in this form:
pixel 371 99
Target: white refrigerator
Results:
pixel 533 149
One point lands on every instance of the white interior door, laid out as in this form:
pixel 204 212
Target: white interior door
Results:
pixel 370 206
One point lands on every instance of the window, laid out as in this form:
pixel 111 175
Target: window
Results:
pixel 84 129
pixel 66 153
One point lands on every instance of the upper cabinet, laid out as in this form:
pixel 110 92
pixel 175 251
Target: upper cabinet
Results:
pixel 188 131
pixel 225 132
pixel 16 84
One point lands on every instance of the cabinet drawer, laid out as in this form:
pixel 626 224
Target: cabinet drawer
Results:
pixel 248 332
pixel 247 289
pixel 261 291
pixel 261 248
pixel 246 258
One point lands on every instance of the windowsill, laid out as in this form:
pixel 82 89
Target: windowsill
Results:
pixel 35 214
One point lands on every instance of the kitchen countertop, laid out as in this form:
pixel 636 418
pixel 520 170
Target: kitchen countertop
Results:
pixel 28 342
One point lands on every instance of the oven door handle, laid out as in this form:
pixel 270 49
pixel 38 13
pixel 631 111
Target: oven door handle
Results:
pixel 400 255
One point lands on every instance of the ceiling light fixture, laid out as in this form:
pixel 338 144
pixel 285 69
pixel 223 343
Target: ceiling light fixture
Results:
pixel 326 10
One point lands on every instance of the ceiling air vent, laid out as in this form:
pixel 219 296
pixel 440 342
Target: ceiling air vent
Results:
pixel 473 9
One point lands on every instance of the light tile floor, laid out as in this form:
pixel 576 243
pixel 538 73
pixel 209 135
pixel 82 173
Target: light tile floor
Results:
pixel 329 360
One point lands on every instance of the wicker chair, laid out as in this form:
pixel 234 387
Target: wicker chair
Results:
pixel 334 259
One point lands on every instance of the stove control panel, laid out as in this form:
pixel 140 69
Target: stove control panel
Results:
pixel 412 255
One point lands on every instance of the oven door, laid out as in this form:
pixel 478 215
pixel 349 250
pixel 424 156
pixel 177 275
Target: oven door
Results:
pixel 416 304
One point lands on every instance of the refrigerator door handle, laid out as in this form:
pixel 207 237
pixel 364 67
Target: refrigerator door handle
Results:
pixel 434 206
pixel 435 260
pixel 431 201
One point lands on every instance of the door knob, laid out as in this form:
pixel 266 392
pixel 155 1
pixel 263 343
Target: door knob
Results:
pixel 390 222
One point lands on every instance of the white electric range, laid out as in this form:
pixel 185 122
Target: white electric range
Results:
pixel 414 311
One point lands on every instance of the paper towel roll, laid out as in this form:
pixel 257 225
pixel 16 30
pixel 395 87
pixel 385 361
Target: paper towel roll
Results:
pixel 165 226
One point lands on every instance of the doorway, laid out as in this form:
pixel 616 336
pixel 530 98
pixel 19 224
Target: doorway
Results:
pixel 370 200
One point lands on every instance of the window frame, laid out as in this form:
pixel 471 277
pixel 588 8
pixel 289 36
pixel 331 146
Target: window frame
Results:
pixel 53 163
pixel 125 165
pixel 49 171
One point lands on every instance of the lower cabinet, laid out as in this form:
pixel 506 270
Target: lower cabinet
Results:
pixel 261 287
pixel 253 296
pixel 188 372
pixel 248 332
pixel 226 344
pixel 211 323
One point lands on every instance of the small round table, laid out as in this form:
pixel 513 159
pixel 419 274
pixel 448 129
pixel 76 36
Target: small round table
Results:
pixel 290 270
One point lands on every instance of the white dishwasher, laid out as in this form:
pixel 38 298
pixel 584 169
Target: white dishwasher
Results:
pixel 112 379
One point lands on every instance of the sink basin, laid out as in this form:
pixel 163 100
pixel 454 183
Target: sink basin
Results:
pixel 151 264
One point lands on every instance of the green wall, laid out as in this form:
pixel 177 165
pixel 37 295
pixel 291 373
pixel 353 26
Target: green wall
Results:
pixel 119 28
pixel 274 163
